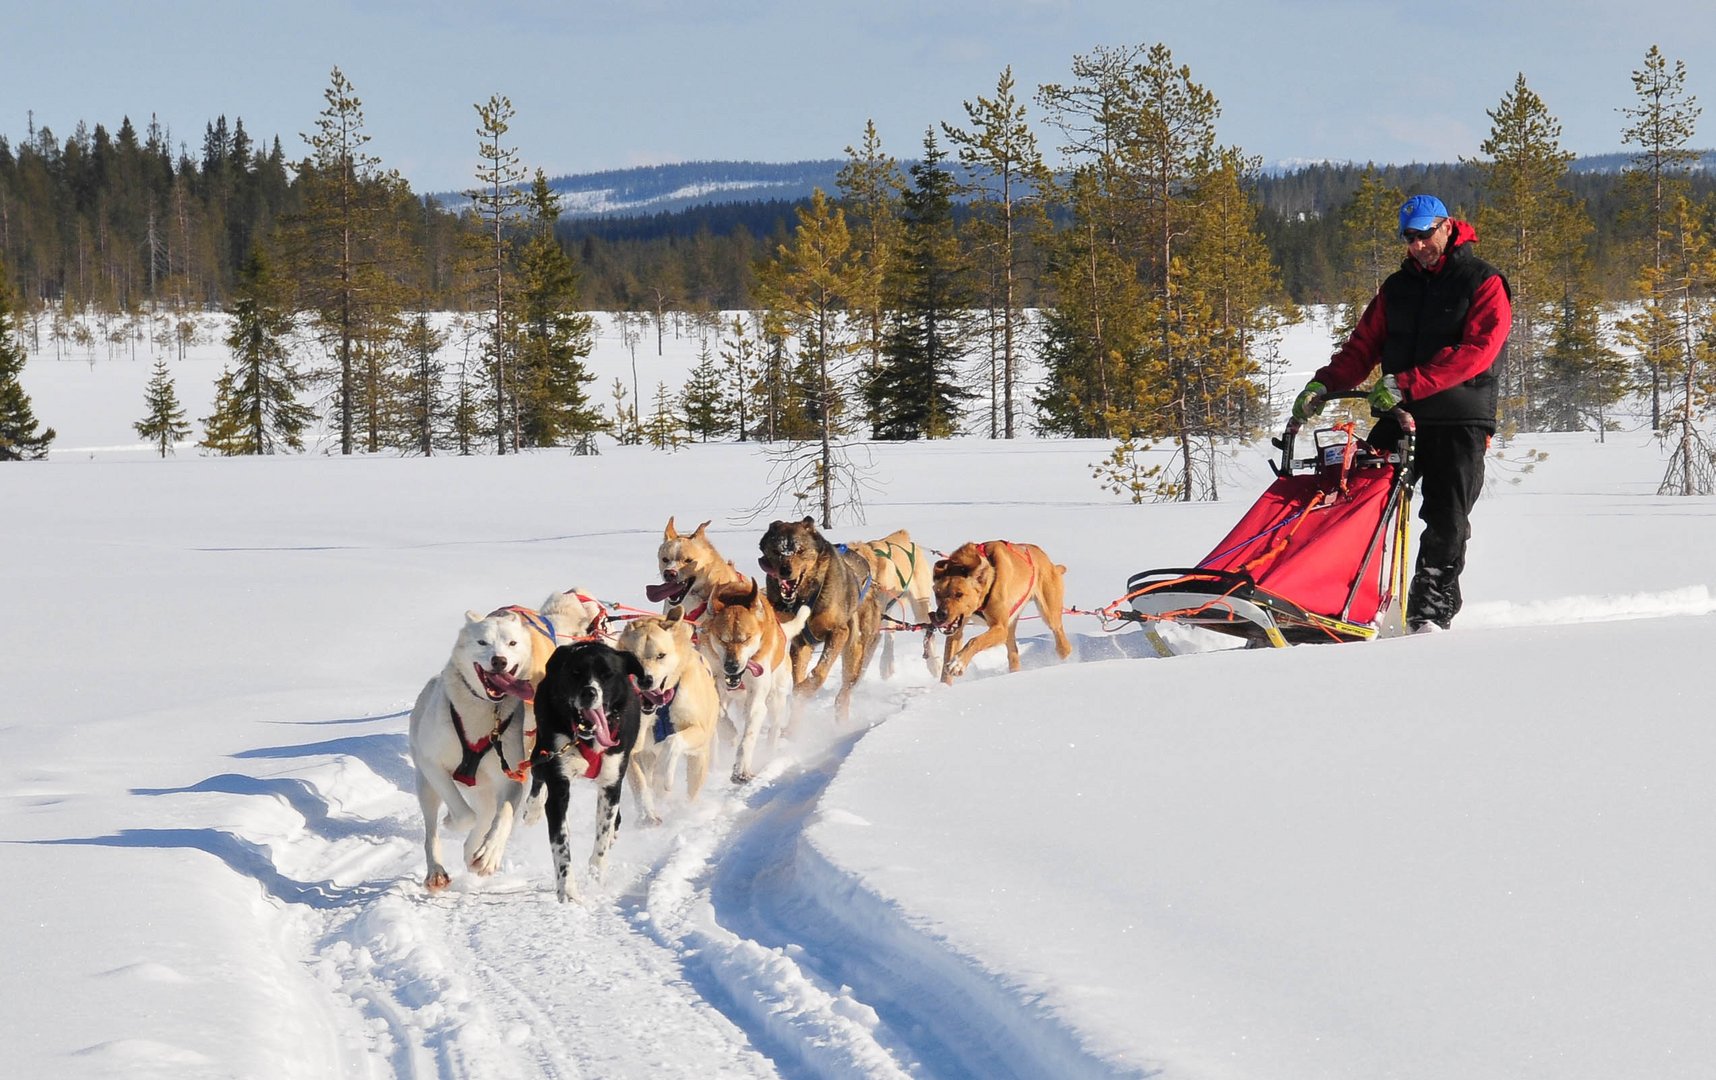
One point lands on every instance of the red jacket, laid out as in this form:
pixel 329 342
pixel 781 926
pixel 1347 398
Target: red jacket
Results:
pixel 1487 325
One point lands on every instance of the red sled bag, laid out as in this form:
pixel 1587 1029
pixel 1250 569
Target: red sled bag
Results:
pixel 1319 557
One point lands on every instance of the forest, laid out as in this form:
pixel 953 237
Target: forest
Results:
pixel 1158 263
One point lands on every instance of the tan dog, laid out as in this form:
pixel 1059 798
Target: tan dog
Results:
pixel 992 581
pixel 845 607
pixel 563 618
pixel 746 645
pixel 902 570
pixel 680 709
pixel 691 569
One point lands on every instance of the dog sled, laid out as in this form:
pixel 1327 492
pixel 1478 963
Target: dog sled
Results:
pixel 1320 557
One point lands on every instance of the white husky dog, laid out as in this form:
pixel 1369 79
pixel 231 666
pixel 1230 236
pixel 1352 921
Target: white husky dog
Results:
pixel 467 736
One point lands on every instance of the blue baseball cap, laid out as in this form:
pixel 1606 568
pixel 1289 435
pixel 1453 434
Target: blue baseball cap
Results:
pixel 1421 212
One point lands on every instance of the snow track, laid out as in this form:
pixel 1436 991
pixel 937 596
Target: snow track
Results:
pixel 722 944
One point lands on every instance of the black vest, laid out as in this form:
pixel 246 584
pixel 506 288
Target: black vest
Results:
pixel 1426 313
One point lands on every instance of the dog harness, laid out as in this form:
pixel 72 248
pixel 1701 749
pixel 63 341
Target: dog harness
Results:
pixel 983 550
pixel 887 550
pixel 466 773
pixel 533 620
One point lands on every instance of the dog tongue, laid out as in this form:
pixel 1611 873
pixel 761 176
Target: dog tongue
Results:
pixel 754 668
pixel 658 698
pixel 658 593
pixel 507 684
pixel 598 721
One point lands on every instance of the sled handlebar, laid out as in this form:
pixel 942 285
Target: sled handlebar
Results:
pixel 1408 425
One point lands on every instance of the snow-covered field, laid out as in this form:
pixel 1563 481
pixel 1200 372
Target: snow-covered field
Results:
pixel 1483 854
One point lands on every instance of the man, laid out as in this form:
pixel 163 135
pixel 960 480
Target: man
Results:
pixel 1438 327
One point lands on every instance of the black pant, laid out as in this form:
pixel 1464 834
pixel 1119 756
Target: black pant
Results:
pixel 1448 460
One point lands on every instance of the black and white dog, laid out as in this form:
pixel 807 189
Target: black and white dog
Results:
pixel 588 715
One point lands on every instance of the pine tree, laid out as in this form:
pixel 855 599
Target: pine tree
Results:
pixel 164 424
pixel 870 185
pixel 1244 308
pixel 1000 154
pixel 1662 127
pixel 20 437
pixel 1535 229
pixel 495 200
pixel 918 391
pixel 345 255
pixel 805 287
pixel 1369 247
pixel 256 406
pixel 1094 335
pixel 703 401
pixel 554 337
pixel 1675 333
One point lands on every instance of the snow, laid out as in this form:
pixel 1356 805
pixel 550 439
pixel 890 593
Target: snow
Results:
pixel 1477 854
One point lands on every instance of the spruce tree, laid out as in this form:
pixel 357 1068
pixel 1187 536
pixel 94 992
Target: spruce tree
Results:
pixel 703 401
pixel 554 337
pixel 164 424
pixel 256 407
pixel 664 429
pixel 1585 377
pixel 21 439
pixel 741 377
pixel 918 391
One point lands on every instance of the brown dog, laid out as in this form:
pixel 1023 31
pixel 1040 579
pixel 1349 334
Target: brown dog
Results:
pixel 691 569
pixel 745 643
pixel 902 571
pixel 803 568
pixel 992 581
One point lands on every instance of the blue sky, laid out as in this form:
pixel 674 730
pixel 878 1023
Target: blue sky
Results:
pixel 603 83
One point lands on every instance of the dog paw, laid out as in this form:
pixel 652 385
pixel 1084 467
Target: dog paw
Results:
pixel 740 777
pixel 567 893
pixel 486 859
pixel 652 821
pixel 437 880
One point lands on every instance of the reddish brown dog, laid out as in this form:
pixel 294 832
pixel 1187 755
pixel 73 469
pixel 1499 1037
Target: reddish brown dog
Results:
pixel 992 581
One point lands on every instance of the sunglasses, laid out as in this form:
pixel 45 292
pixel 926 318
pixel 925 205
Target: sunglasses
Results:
pixel 1417 234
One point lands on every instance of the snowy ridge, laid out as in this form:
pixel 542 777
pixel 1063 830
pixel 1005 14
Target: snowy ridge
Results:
pixel 1691 600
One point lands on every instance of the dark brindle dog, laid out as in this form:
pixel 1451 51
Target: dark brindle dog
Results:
pixel 845 606
pixel 588 716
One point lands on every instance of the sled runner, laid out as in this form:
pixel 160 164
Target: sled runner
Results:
pixel 1321 556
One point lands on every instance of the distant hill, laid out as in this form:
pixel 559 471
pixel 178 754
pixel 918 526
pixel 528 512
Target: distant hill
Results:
pixel 648 190
pixel 1614 163
pixel 655 189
